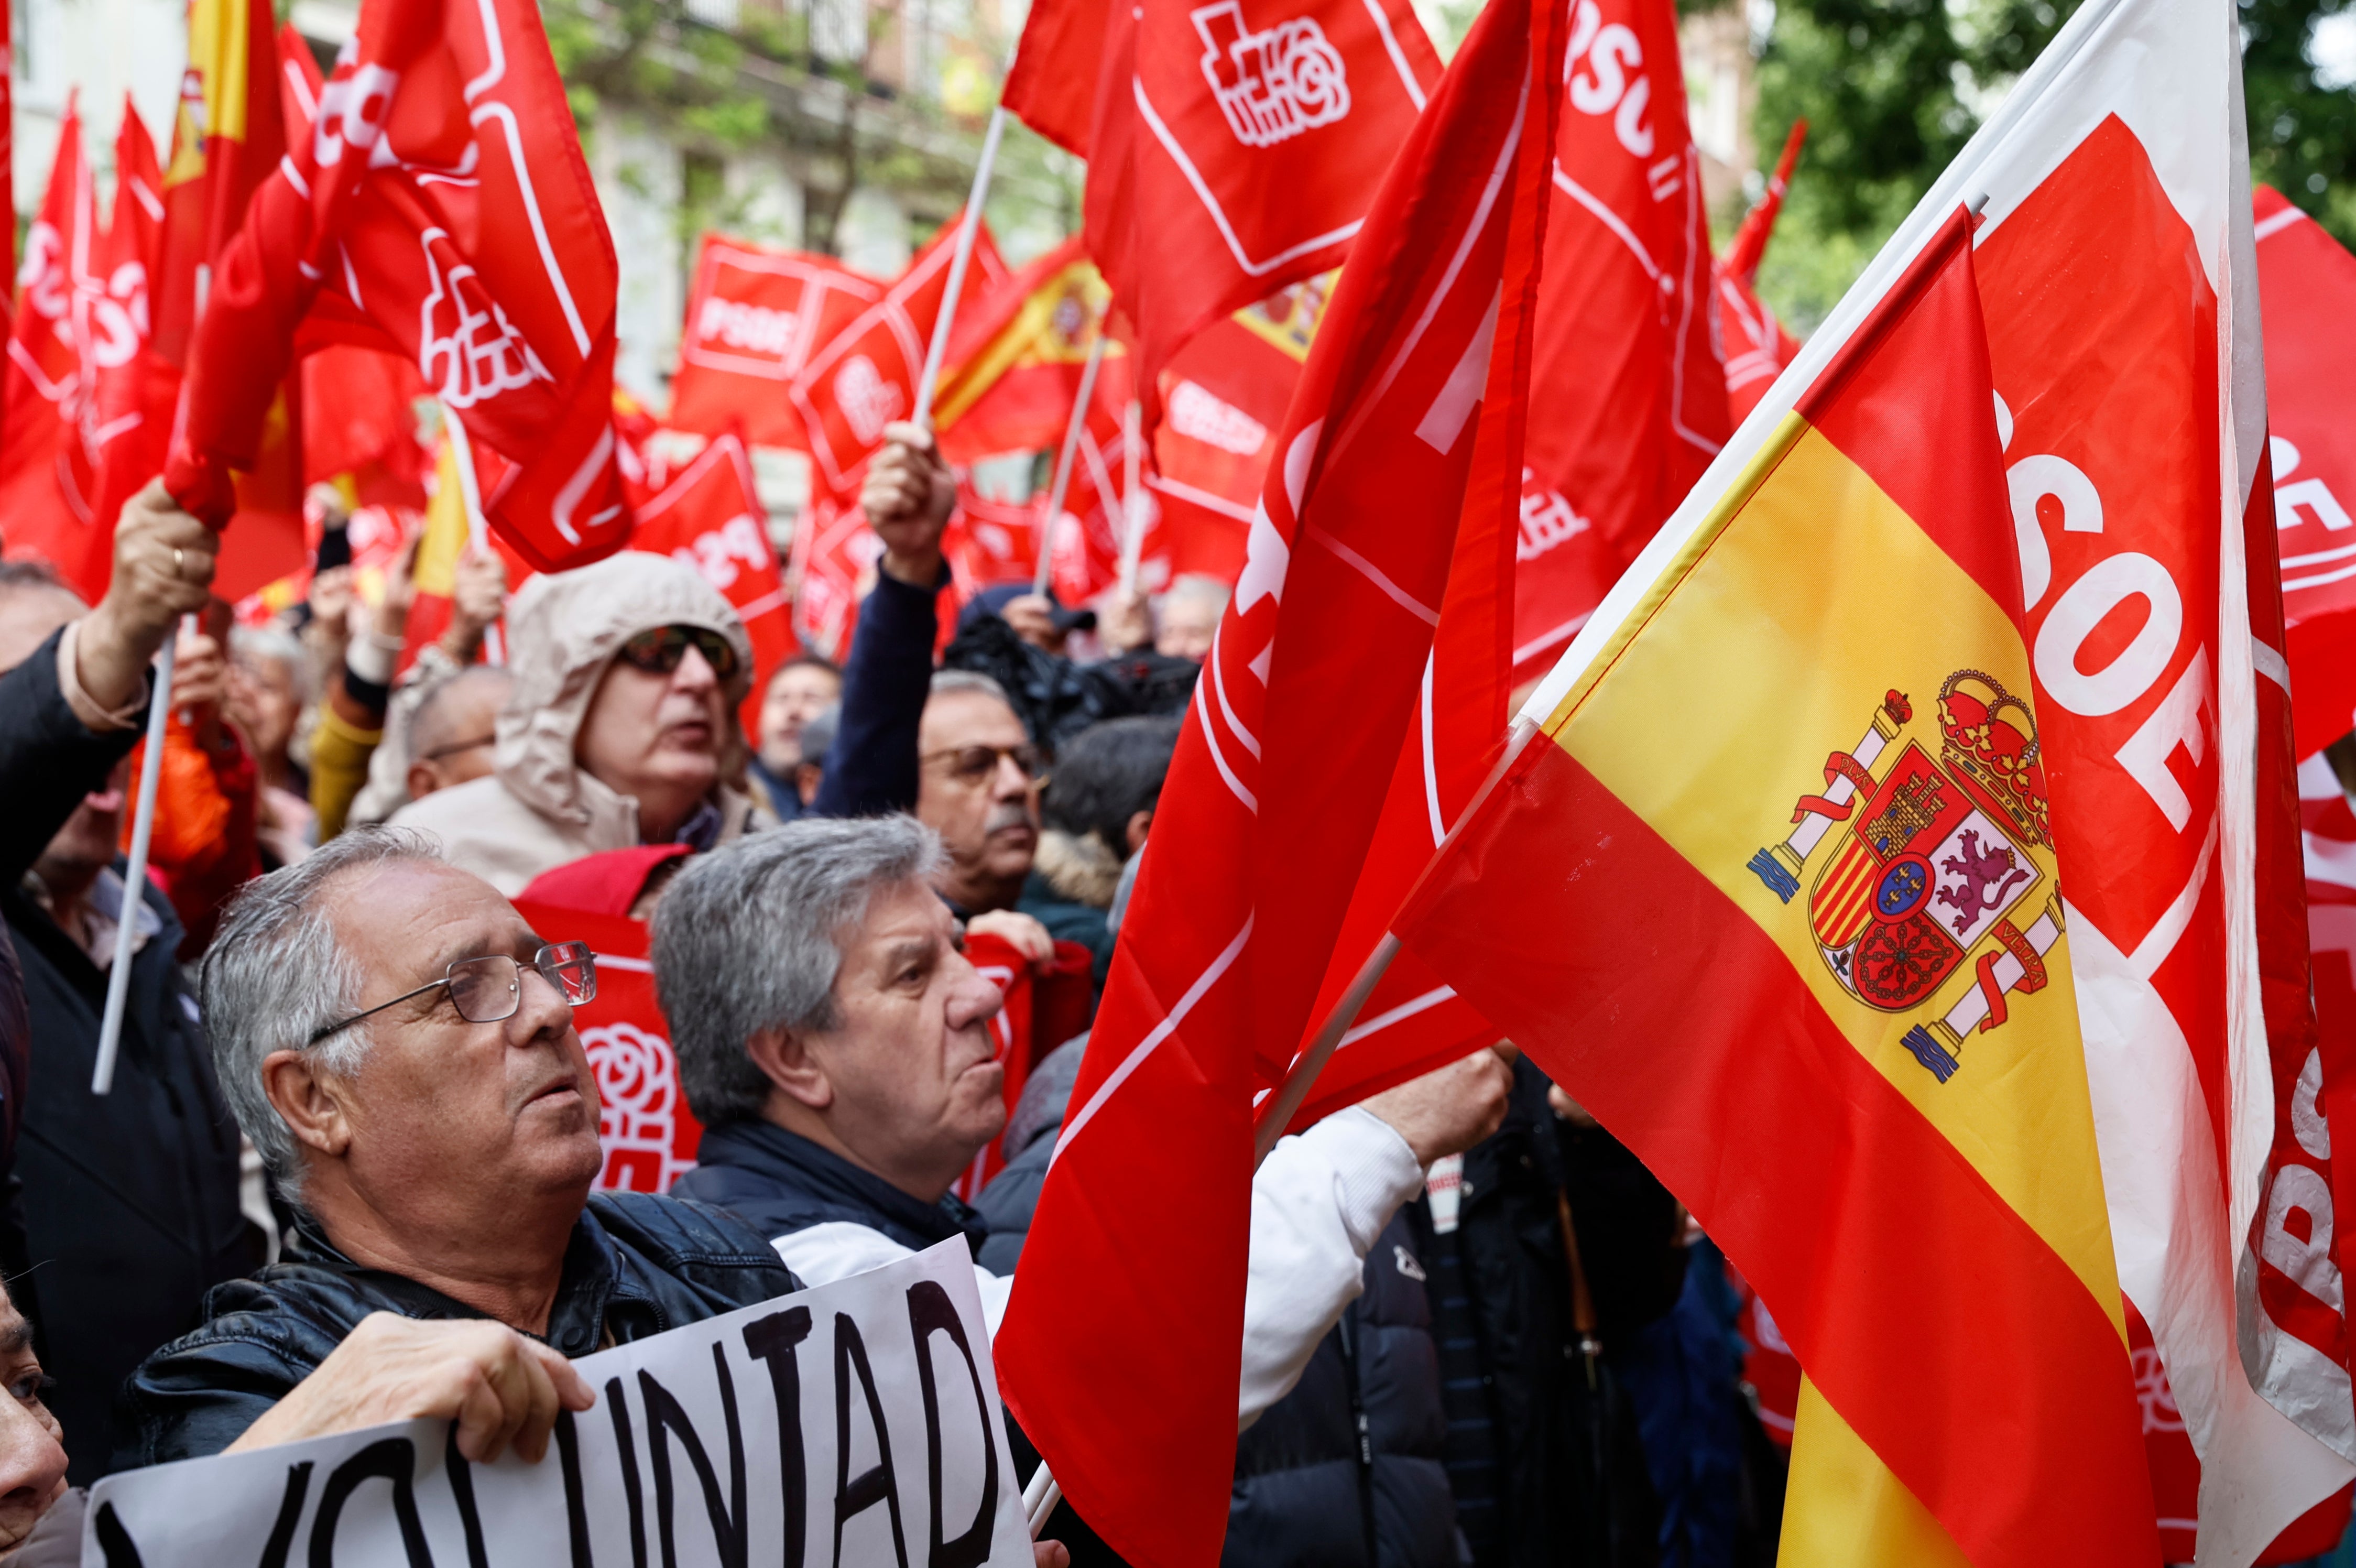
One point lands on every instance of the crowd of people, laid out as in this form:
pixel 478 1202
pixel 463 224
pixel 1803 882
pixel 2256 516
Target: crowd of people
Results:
pixel 344 1172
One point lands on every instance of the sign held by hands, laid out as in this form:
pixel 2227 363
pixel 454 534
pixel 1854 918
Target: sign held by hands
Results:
pixel 857 1423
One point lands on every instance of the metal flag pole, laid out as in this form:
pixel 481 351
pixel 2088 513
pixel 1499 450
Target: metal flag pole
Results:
pixel 134 871
pixel 958 261
pixel 1132 496
pixel 1078 423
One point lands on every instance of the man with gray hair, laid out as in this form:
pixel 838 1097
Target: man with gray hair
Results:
pixel 399 1045
pixel 833 1039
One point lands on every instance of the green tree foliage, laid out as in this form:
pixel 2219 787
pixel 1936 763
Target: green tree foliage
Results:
pixel 1893 89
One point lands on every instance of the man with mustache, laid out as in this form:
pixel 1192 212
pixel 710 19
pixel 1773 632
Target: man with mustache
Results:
pixel 130 1198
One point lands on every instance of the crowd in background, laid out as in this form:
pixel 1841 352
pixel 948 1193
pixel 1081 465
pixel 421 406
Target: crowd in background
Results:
pixel 1535 1361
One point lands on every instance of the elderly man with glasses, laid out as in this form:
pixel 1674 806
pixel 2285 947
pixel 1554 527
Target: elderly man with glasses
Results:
pixel 399 1045
pixel 627 679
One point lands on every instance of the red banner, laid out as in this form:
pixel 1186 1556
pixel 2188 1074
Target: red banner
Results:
pixel 755 316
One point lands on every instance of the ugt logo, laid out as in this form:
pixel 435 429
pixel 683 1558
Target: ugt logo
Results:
pixel 1271 85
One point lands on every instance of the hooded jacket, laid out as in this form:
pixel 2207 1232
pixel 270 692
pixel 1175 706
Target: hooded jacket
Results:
pixel 537 808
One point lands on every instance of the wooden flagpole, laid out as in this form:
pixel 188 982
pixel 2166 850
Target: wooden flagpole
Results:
pixel 958 261
pixel 1072 431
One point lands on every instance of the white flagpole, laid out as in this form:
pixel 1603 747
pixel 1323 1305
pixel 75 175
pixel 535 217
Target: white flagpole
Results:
pixel 1132 498
pixel 1078 423
pixel 958 262
pixel 479 532
pixel 134 872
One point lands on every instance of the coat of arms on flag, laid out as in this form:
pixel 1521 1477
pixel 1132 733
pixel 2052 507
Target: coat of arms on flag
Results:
pixel 1936 863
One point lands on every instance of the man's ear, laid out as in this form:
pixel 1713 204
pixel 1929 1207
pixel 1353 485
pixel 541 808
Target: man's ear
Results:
pixel 308 1100
pixel 786 1058
pixel 1139 821
pixel 421 781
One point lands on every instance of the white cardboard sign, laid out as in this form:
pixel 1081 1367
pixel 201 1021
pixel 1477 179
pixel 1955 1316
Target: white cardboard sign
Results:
pixel 854 1424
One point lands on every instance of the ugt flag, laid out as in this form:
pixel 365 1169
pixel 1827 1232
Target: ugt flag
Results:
pixel 1121 1346
pixel 2118 277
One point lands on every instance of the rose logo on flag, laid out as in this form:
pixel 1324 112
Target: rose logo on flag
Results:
pixel 1213 421
pixel 1934 865
pixel 638 1107
pixel 866 399
pixel 1271 85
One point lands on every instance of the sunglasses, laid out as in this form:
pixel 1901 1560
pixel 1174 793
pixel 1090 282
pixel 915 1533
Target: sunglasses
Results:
pixel 660 651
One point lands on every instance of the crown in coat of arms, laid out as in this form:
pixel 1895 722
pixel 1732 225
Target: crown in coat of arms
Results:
pixel 1989 745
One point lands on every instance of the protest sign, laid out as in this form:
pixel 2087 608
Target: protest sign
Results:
pixel 856 1424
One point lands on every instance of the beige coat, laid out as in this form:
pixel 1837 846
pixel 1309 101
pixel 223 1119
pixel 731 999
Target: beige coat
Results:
pixel 537 810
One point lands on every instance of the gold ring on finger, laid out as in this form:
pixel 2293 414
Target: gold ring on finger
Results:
pixel 179 558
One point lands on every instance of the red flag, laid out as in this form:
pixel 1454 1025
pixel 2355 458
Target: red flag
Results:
pixel 2307 289
pixel 709 516
pixel 8 141
pixel 834 552
pixel 125 424
pixel 866 376
pixel 1016 360
pixel 1042 1008
pixel 1223 401
pixel 1235 152
pixel 1120 1349
pixel 228 135
pixel 457 227
pixel 1756 346
pixel 1627 364
pixel 1087 537
pixel 990 540
pixel 755 316
pixel 41 508
pixel 1052 85
pixel 360 407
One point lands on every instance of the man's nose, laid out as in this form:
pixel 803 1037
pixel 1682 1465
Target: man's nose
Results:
pixel 1013 779
pixel 32 1461
pixel 694 673
pixel 542 1007
pixel 972 999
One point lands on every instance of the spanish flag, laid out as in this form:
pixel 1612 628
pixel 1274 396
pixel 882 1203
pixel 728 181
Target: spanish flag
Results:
pixel 1015 364
pixel 1772 891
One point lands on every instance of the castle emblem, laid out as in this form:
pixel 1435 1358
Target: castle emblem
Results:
pixel 1924 871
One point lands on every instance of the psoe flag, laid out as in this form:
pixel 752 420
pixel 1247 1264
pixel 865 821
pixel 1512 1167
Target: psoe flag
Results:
pixel 1776 896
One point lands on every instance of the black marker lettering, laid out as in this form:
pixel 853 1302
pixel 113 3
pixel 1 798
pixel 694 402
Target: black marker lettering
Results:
pixel 115 1541
pixel 772 1340
pixel 665 1416
pixel 619 1410
pixel 462 1491
pixel 930 1312
pixel 576 1511
pixel 391 1459
pixel 877 1485
pixel 282 1533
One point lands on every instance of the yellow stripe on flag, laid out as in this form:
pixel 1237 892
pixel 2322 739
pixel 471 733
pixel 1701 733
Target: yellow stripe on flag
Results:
pixel 447 530
pixel 1842 1508
pixel 1817 598
pixel 219 43
pixel 1054 327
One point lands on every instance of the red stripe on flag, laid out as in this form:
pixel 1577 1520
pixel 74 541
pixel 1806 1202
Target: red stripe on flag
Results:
pixel 1956 1342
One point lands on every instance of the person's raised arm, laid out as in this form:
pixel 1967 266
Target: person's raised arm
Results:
pixel 909 496
pixel 163 570
pixel 1320 1198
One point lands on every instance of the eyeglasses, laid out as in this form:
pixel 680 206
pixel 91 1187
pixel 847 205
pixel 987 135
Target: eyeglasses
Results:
pixel 658 651
pixel 490 990
pixel 975 765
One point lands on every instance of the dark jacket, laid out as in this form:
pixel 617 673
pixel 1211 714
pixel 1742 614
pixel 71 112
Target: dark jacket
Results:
pixel 638 1265
pixel 870 769
pixel 780 1182
pixel 1345 1470
pixel 1532 1489
pixel 130 1200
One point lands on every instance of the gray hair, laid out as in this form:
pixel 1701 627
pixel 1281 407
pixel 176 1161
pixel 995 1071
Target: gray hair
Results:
pixel 1202 587
pixel 947 681
pixel 252 645
pixel 275 975
pixel 746 939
